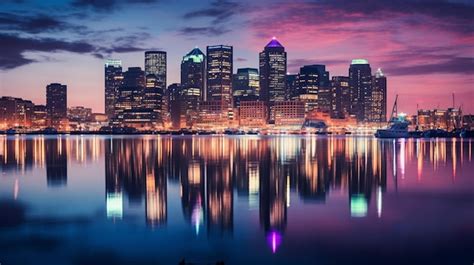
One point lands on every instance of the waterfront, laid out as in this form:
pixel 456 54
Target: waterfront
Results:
pixel 71 199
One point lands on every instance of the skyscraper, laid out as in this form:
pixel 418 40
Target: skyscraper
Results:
pixel 113 80
pixel 245 85
pixel 130 108
pixel 193 71
pixel 360 82
pixel 313 85
pixel 219 76
pixel 341 103
pixel 272 62
pixel 291 86
pixel 153 97
pixel 155 64
pixel 378 111
pixel 56 103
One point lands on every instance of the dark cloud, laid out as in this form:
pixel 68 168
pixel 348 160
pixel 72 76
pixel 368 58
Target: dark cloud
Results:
pixel 455 65
pixel 206 31
pixel 447 15
pixel 219 11
pixel 36 23
pixel 13 47
pixel 107 5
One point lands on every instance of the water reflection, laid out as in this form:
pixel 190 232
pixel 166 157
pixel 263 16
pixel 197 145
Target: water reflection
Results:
pixel 211 172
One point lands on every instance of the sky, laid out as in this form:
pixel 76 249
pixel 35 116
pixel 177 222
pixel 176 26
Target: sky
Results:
pixel 425 48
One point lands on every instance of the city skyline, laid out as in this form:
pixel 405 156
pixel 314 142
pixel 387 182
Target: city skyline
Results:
pixel 52 49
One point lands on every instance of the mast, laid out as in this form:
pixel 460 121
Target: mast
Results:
pixel 394 109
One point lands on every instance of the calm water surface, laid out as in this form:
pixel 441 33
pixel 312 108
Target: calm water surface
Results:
pixel 239 199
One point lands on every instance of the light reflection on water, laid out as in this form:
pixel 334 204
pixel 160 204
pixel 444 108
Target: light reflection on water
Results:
pixel 141 199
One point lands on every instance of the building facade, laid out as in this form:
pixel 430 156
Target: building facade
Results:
pixel 253 114
pixel 219 77
pixel 360 82
pixel 378 110
pixel 113 80
pixel 341 103
pixel 272 67
pixel 245 85
pixel 56 103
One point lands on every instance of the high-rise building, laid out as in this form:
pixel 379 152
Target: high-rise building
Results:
pixel 113 80
pixel 56 103
pixel 313 82
pixel 15 112
pixel 360 82
pixel 193 71
pixel 245 85
pixel 341 103
pixel 153 97
pixel 378 110
pixel 291 86
pixel 155 64
pixel 272 62
pixel 219 77
pixel 130 109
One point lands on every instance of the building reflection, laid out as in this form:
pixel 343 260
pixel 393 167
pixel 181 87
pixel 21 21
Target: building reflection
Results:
pixel 56 161
pixel 265 171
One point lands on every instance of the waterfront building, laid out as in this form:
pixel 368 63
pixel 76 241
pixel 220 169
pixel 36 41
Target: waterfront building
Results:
pixel 193 71
pixel 360 82
pixel 313 81
pixel 289 113
pixel 219 77
pixel 341 103
pixel 378 110
pixel 253 114
pixel 79 114
pixel 113 79
pixel 291 86
pixel 273 65
pixel 245 85
pixel 56 104
pixel 15 112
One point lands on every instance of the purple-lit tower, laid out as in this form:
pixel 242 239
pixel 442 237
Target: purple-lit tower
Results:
pixel 272 61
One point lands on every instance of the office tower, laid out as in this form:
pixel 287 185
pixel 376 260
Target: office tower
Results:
pixel 193 71
pixel 342 97
pixel 153 98
pixel 378 111
pixel 79 114
pixel 272 61
pixel 245 85
pixel 113 80
pixel 15 112
pixel 56 103
pixel 130 109
pixel 155 64
pixel 360 83
pixel 291 86
pixel 219 77
pixel 313 80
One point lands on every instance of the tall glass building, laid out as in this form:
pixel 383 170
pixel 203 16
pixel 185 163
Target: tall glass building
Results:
pixel 113 80
pixel 272 62
pixel 193 71
pixel 245 85
pixel 360 83
pixel 219 76
pixel 56 103
pixel 155 64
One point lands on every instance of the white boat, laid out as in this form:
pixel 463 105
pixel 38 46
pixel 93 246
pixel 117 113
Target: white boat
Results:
pixel 397 127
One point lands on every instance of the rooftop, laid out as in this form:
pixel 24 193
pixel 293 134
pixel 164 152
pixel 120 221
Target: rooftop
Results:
pixel 274 43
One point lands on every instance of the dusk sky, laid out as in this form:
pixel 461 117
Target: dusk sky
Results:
pixel 425 48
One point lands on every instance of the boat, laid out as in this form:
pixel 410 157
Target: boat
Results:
pixel 467 133
pixel 397 126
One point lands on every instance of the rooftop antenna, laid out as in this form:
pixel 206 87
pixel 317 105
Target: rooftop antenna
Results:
pixel 454 105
